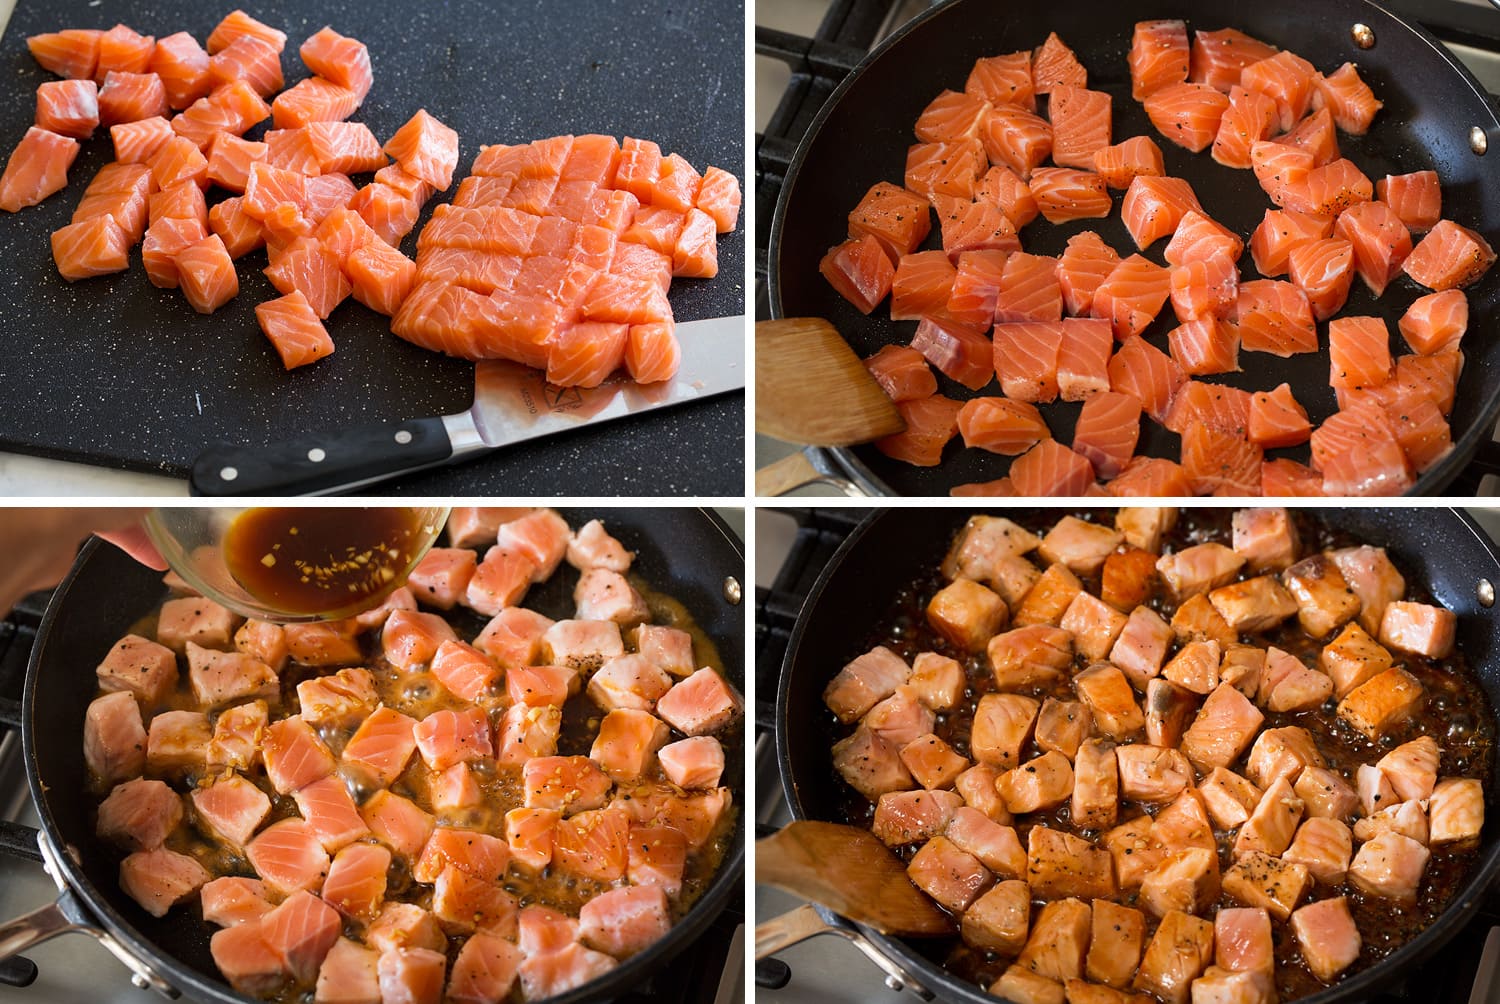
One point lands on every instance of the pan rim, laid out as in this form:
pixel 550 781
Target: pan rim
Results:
pixel 190 982
pixel 1459 911
pixel 1431 482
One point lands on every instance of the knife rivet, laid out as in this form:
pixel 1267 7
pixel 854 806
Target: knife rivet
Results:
pixel 228 474
pixel 1486 593
pixel 316 455
pixel 1364 37
pixel 732 590
pixel 403 437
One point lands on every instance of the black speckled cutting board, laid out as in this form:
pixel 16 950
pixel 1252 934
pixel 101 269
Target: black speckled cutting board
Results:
pixel 116 372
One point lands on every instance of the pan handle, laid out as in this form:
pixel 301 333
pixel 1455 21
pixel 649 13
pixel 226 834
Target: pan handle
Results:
pixel 808 921
pixel 67 916
pixel 336 461
pixel 798 471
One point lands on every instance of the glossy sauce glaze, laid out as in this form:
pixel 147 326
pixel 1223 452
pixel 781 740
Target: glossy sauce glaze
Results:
pixel 1457 713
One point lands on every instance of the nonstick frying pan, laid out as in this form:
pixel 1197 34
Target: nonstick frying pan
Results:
pixel 686 553
pixel 1443 550
pixel 1432 105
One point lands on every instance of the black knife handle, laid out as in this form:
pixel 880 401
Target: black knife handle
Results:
pixel 325 463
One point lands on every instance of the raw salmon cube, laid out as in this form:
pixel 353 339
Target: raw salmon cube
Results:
pixel 288 857
pixel 860 271
pixel 624 922
pixel 540 686
pixel 349 975
pixel 294 755
pixel 397 822
pixel 410 638
pixel 237 24
pixel 130 97
pixel 138 815
pixel 411 975
pixel 464 671
pixel 528 835
pixel 330 813
pixel 237 736
pixel 71 53
pixel 182 65
pixel 94 246
pixel 231 902
pixel 566 783
pixel 513 636
pixel 356 881
pixel 592 844
pixel 1416 198
pixel 627 743
pixel 381 277
pixel 294 329
pixel 122 48
pixel 464 903
pixel 480 855
pixel 307 267
pixel 206 274
pixel 138 142
pixel 68 107
pixel 240 232
pixel 344 699
pixel 447 737
pixel 702 703
pixel 344 61
pixel 301 931
pixel 484 971
pixel 231 809
pixel 426 149
pixel 550 973
pixel 442 577
pixel 719 197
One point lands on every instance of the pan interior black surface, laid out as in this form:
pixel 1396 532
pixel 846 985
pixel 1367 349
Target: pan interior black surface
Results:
pixel 1431 103
pixel 1440 549
pixel 145 383
pixel 681 552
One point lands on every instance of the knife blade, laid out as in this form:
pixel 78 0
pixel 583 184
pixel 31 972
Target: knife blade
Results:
pixel 512 403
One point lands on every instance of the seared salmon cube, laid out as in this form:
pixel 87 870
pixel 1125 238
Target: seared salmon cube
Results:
pixel 995 845
pixel 527 732
pixel 541 686
pixel 1224 728
pixel 513 637
pixel 701 704
pixel 140 666
pixel 1059 865
pixel 605 595
pixel 455 789
pixel 1406 818
pixel 1197 620
pixel 999 920
pixel 404 926
pixel 1169 711
pixel 949 875
pixel 341 700
pixel 1287 684
pixel 1030 656
pixel 1418 628
pixel 1152 774
pixel 463 903
pixel 1003 725
pixel 567 783
pixel 1374 789
pixel 382 745
pixel 1106 692
pixel 441 578
pixel 983 541
pixel 1096 785
pixel 1199 569
pixel 1324 846
pixel 350 972
pixel 1242 666
pixel 177 741
pixel 1195 667
pixel 1184 824
pixel 195 619
pixel 913 817
pixel 1225 985
pixel 1272 823
pixel 1369 572
pixel 1328 937
pixel 230 809
pixel 528 834
pixel 967 614
pixel 627 743
pixel 1254 605
pixel 1326 795
pixel 1324 599
pixel 1094 625
pixel 1049 597
pixel 658 856
pixel 670 649
pixel 356 881
pixel 1228 797
pixel 231 901
pixel 410 975
pixel 1142 646
pixel 977 786
pixel 1059 940
pixel 1185 880
pixel 1062 726
pixel 397 822
pixel 624 922
pixel 1380 704
pixel 295 755
pixel 628 681
pixel 478 526
pixel 864 683
pixel 1242 940
pixel 931 761
pixel 1412 767
pixel 1353 658
pixel 409 638
pixel 114 738
pixel 1116 936
pixel 1022 986
pixel 871 765
pixel 1178 953
pixel 499 581
pixel 1134 851
pixel 237 736
pixel 1013 579
pixel 1128 578
pixel 1079 544
pixel 937 680
pixel 542 535
pixel 160 879
pixel 138 815
pixel 288 857
pixel 1265 537
pixel 447 737
pixel 375 617
pixel 1282 752
pixel 465 672
pixel 1043 783
pixel 1145 526
pixel 264 641
pixel 1456 810
pixel 219 678
pixel 591 546
pixel 1260 880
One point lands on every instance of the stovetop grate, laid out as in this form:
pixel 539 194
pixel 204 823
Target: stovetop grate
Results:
pixel 1447 978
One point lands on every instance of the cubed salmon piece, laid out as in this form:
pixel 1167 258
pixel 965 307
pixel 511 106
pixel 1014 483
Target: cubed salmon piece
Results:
pixel 141 667
pixel 1324 600
pixel 237 735
pixel 138 815
pixel 1383 702
pixel 1096 785
pixel 382 745
pixel 1412 767
pixel 463 903
pixel 343 699
pixel 1389 865
pixel 629 681
pixel 605 595
pixel 302 930
pixel 1058 941
pixel 1270 883
pixel 441 578
pixel 526 732
pixel 411 975
pixel 539 686
pixel 231 901
pixel 375 617
pixel 1145 526
pixel 404 926
pixel 1023 986
pixel 484 970
pixel 967 614
pixel 1272 823
pixel 999 920
pixel 177 742
pixel 410 638
pixel 397 822
pixel 994 844
pixel 1059 865
pixel 1062 726
pixel 1353 658
pixel 1169 711
pixel 246 960
pixel 1105 690
pixel 195 619
pixel 1197 620
pixel 528 834
pixel 1003 724
pixel 1326 794
pixel 587 645
pixel 1094 624
pixel 542 535
pixel 295 755
pixel 349 975
pixel 1406 818
pixel 513 636
pixel 1200 569
pixel 1178 953
pixel 1043 783
pixel 456 789
pixel 1184 824
pixel 982 542
pixel 1195 668
pixel 1324 847
pixel 1266 538
pixel 1152 773
pixel 447 737
pixel 464 671
pixel 1223 729
pixel 701 704
pixel 566 783
pixel 1369 572
pixel 1281 752
pixel 288 857
pixel 949 875
pixel 592 844
pixel 870 764
pixel 231 809
pixel 627 743
pixel 1418 628
pixel 697 762
pixel 1374 789
pixel 977 786
pixel 264 641
pixel 356 881
pixel 330 812
pixel 624 922
pixel 1029 656
pixel 1128 578
pixel 1133 850
pixel 1456 810
pixel 592 547
pixel 1186 881
pixel 325 643
pixel 1142 645
pixel 1079 544
pixel 550 973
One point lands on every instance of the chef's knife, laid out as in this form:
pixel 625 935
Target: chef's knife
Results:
pixel 512 403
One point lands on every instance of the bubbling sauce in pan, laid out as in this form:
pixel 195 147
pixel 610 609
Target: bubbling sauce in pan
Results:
pixel 1456 712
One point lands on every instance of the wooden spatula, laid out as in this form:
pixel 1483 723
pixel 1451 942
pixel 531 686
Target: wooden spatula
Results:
pixel 851 872
pixel 811 388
